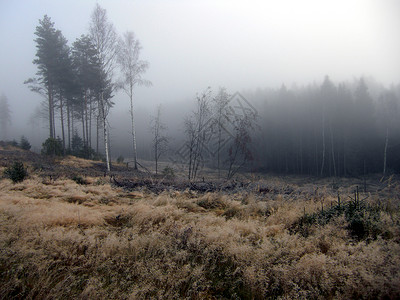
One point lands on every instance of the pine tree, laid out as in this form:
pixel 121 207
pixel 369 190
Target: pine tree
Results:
pixel 88 73
pixel 51 50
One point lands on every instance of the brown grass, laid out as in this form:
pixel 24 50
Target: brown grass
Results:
pixel 74 161
pixel 64 240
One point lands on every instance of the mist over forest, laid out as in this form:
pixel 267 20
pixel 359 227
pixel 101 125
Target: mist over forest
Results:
pixel 82 87
pixel 200 149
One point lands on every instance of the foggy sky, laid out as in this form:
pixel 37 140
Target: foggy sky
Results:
pixel 191 45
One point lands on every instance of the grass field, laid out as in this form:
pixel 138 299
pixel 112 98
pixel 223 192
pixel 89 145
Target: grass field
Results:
pixel 294 240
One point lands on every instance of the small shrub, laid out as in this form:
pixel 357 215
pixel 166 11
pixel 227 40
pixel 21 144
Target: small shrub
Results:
pixel 76 145
pixel 363 220
pixel 16 172
pixel 79 180
pixel 24 143
pixel 87 152
pixel 13 143
pixel 79 149
pixel 120 159
pixel 52 146
pixel 168 173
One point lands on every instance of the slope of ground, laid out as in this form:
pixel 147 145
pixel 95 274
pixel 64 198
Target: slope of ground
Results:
pixel 267 239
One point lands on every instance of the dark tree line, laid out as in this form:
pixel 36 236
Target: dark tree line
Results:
pixel 344 129
pixel 72 81
pixel 329 130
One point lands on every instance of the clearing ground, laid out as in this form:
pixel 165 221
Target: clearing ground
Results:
pixel 67 231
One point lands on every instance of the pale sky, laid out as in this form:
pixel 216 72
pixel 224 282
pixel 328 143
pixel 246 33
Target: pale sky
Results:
pixel 192 44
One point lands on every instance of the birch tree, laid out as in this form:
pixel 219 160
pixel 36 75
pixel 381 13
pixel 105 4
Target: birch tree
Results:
pixel 132 69
pixel 198 128
pixel 104 39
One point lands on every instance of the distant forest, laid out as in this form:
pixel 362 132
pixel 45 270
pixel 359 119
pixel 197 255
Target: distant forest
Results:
pixel 344 129
pixel 328 130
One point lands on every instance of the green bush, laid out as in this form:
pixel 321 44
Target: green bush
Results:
pixel 16 172
pixel 76 145
pixel 120 159
pixel 97 156
pixel 24 143
pixel 168 173
pixel 363 220
pixel 87 152
pixel 53 146
pixel 79 149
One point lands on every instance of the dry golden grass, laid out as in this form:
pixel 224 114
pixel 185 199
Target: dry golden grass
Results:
pixel 64 240
pixel 74 161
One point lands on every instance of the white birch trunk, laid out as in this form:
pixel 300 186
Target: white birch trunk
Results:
pixel 105 135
